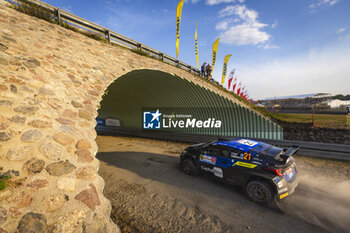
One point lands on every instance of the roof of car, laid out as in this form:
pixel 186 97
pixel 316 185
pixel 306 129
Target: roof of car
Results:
pixel 244 144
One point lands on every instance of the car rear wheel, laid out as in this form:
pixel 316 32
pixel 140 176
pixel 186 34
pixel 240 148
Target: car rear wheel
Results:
pixel 260 192
pixel 188 167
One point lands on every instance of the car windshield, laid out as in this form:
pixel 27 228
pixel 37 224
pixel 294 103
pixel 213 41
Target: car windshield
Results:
pixel 272 151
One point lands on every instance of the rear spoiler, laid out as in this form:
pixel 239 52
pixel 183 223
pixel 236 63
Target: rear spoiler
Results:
pixel 285 156
pixel 291 151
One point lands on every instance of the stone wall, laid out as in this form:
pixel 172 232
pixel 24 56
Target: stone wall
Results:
pixel 51 83
pixel 305 132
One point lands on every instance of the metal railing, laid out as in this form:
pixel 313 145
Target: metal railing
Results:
pixel 111 36
pixel 313 149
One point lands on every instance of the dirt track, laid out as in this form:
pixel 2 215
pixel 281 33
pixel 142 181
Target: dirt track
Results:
pixel 149 193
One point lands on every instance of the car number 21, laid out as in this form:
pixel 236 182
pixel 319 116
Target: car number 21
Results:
pixel 247 156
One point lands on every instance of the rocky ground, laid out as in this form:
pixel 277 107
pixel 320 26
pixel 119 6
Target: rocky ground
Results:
pixel 149 193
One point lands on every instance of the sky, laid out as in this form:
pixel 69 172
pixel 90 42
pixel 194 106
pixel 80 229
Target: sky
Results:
pixel 278 47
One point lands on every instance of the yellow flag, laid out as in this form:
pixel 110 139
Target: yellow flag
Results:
pixel 224 69
pixel 178 20
pixel 214 54
pixel 196 45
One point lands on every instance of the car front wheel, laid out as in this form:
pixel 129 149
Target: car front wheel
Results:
pixel 188 167
pixel 260 192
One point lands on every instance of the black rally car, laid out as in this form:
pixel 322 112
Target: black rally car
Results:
pixel 267 172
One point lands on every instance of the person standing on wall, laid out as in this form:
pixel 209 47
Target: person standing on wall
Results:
pixel 203 69
pixel 208 68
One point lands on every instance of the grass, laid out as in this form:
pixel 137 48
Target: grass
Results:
pixel 141 52
pixel 34 10
pixel 95 36
pixel 42 13
pixel 321 120
pixel 69 26
pixel 262 111
pixel 3 183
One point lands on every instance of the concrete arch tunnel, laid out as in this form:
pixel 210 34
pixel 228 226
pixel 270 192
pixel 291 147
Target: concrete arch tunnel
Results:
pixel 140 90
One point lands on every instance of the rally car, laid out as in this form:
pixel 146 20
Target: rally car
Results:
pixel 268 173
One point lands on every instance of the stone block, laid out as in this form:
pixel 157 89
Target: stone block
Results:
pixel 32 223
pixel 51 150
pixel 60 168
pixel 89 197
pixel 33 166
pixel 83 144
pixel 63 138
pixel 86 173
pixel 55 202
pixel 84 156
pixel 32 135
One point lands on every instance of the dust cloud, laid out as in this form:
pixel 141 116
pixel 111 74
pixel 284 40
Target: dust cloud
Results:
pixel 321 201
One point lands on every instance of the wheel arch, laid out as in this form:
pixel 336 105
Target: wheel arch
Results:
pixel 191 157
pixel 260 178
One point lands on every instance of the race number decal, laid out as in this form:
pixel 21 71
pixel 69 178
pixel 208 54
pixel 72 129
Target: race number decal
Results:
pixel 247 142
pixel 247 156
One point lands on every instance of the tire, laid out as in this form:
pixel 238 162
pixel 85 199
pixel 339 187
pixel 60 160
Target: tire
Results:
pixel 188 167
pixel 260 192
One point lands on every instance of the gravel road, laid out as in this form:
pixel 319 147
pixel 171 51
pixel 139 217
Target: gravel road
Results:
pixel 149 193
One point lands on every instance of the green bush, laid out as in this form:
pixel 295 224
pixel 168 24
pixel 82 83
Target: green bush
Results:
pixel 35 10
pixel 141 52
pixel 69 26
pixel 3 183
pixel 95 36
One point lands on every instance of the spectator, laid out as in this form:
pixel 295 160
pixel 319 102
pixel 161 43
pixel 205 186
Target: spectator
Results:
pixel 203 69
pixel 208 69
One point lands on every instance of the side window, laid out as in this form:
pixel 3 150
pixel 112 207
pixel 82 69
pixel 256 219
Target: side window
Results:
pixel 226 152
pixel 216 151
pixel 234 153
pixel 213 150
pixel 209 150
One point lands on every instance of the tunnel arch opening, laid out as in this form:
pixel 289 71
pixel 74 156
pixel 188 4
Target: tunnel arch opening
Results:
pixel 143 90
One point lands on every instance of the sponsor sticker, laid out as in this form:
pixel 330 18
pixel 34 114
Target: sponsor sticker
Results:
pixel 257 163
pixel 207 159
pixel 283 190
pixel 218 172
pixel 257 159
pixel 236 157
pixel 206 169
pixel 247 142
pixel 283 195
pixel 243 164
pixel 288 175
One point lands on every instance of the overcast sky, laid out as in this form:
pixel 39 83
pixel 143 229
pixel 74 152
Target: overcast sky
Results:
pixel 278 47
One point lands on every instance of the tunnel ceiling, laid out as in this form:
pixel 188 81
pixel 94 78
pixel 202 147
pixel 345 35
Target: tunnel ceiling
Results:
pixel 141 90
